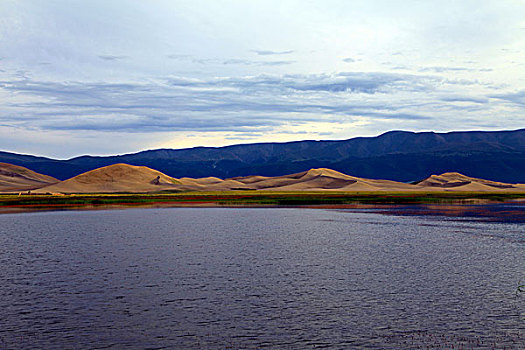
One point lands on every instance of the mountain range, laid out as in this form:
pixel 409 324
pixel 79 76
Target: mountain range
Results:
pixel 396 155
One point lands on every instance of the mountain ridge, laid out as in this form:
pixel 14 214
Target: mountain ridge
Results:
pixel 395 155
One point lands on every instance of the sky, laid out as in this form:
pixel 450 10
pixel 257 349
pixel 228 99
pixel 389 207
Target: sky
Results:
pixel 112 77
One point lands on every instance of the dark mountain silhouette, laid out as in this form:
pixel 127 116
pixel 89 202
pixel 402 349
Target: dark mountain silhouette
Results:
pixel 395 155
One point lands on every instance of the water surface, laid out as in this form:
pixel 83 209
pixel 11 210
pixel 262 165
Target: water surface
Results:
pixel 253 278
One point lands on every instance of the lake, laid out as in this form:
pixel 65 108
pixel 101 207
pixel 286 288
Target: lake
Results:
pixel 230 278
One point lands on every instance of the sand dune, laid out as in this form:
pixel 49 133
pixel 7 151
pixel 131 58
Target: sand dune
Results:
pixel 321 179
pixel 459 182
pixel 15 178
pixel 140 179
pixel 211 184
pixel 115 178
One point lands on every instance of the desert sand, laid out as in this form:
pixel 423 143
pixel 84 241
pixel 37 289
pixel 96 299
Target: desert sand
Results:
pixel 320 179
pixel 136 179
pixel 457 181
pixel 15 178
pixel 114 178
pixel 120 178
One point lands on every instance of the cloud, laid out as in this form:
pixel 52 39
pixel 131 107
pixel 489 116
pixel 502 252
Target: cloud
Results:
pixel 275 63
pixel 517 98
pixel 255 63
pixel 269 52
pixel 479 100
pixel 237 103
pixel 369 82
pixel 111 57
pixel 178 57
pixel 228 61
pixel 441 69
pixel 444 69
pixel 238 61
pixel 190 69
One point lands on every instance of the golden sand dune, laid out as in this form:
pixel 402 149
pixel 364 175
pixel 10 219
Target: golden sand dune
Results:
pixel 460 182
pixel 325 178
pixel 250 179
pixel 210 184
pixel 140 179
pixel 201 181
pixel 14 178
pixel 115 178
pixel 321 179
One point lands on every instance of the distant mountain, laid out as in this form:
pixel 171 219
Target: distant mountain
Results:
pixel 396 155
pixel 15 178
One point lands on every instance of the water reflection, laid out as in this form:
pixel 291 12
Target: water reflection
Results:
pixel 500 212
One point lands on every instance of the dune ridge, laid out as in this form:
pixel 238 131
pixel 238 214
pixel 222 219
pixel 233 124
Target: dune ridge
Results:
pixel 115 178
pixel 119 178
pixel 14 178
pixel 122 177
pixel 454 180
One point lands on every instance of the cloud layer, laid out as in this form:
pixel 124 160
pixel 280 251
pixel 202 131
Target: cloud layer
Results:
pixel 251 103
pixel 175 74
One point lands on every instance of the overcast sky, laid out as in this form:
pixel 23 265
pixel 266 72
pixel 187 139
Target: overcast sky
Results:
pixel 107 77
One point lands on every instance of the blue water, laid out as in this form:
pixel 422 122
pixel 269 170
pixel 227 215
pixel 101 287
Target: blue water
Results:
pixel 253 278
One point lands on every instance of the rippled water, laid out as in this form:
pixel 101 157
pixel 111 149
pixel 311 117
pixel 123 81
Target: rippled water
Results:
pixel 253 278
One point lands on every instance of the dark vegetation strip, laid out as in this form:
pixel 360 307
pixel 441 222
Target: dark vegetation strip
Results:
pixel 260 198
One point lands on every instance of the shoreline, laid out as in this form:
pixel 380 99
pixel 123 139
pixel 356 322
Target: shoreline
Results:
pixel 10 204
